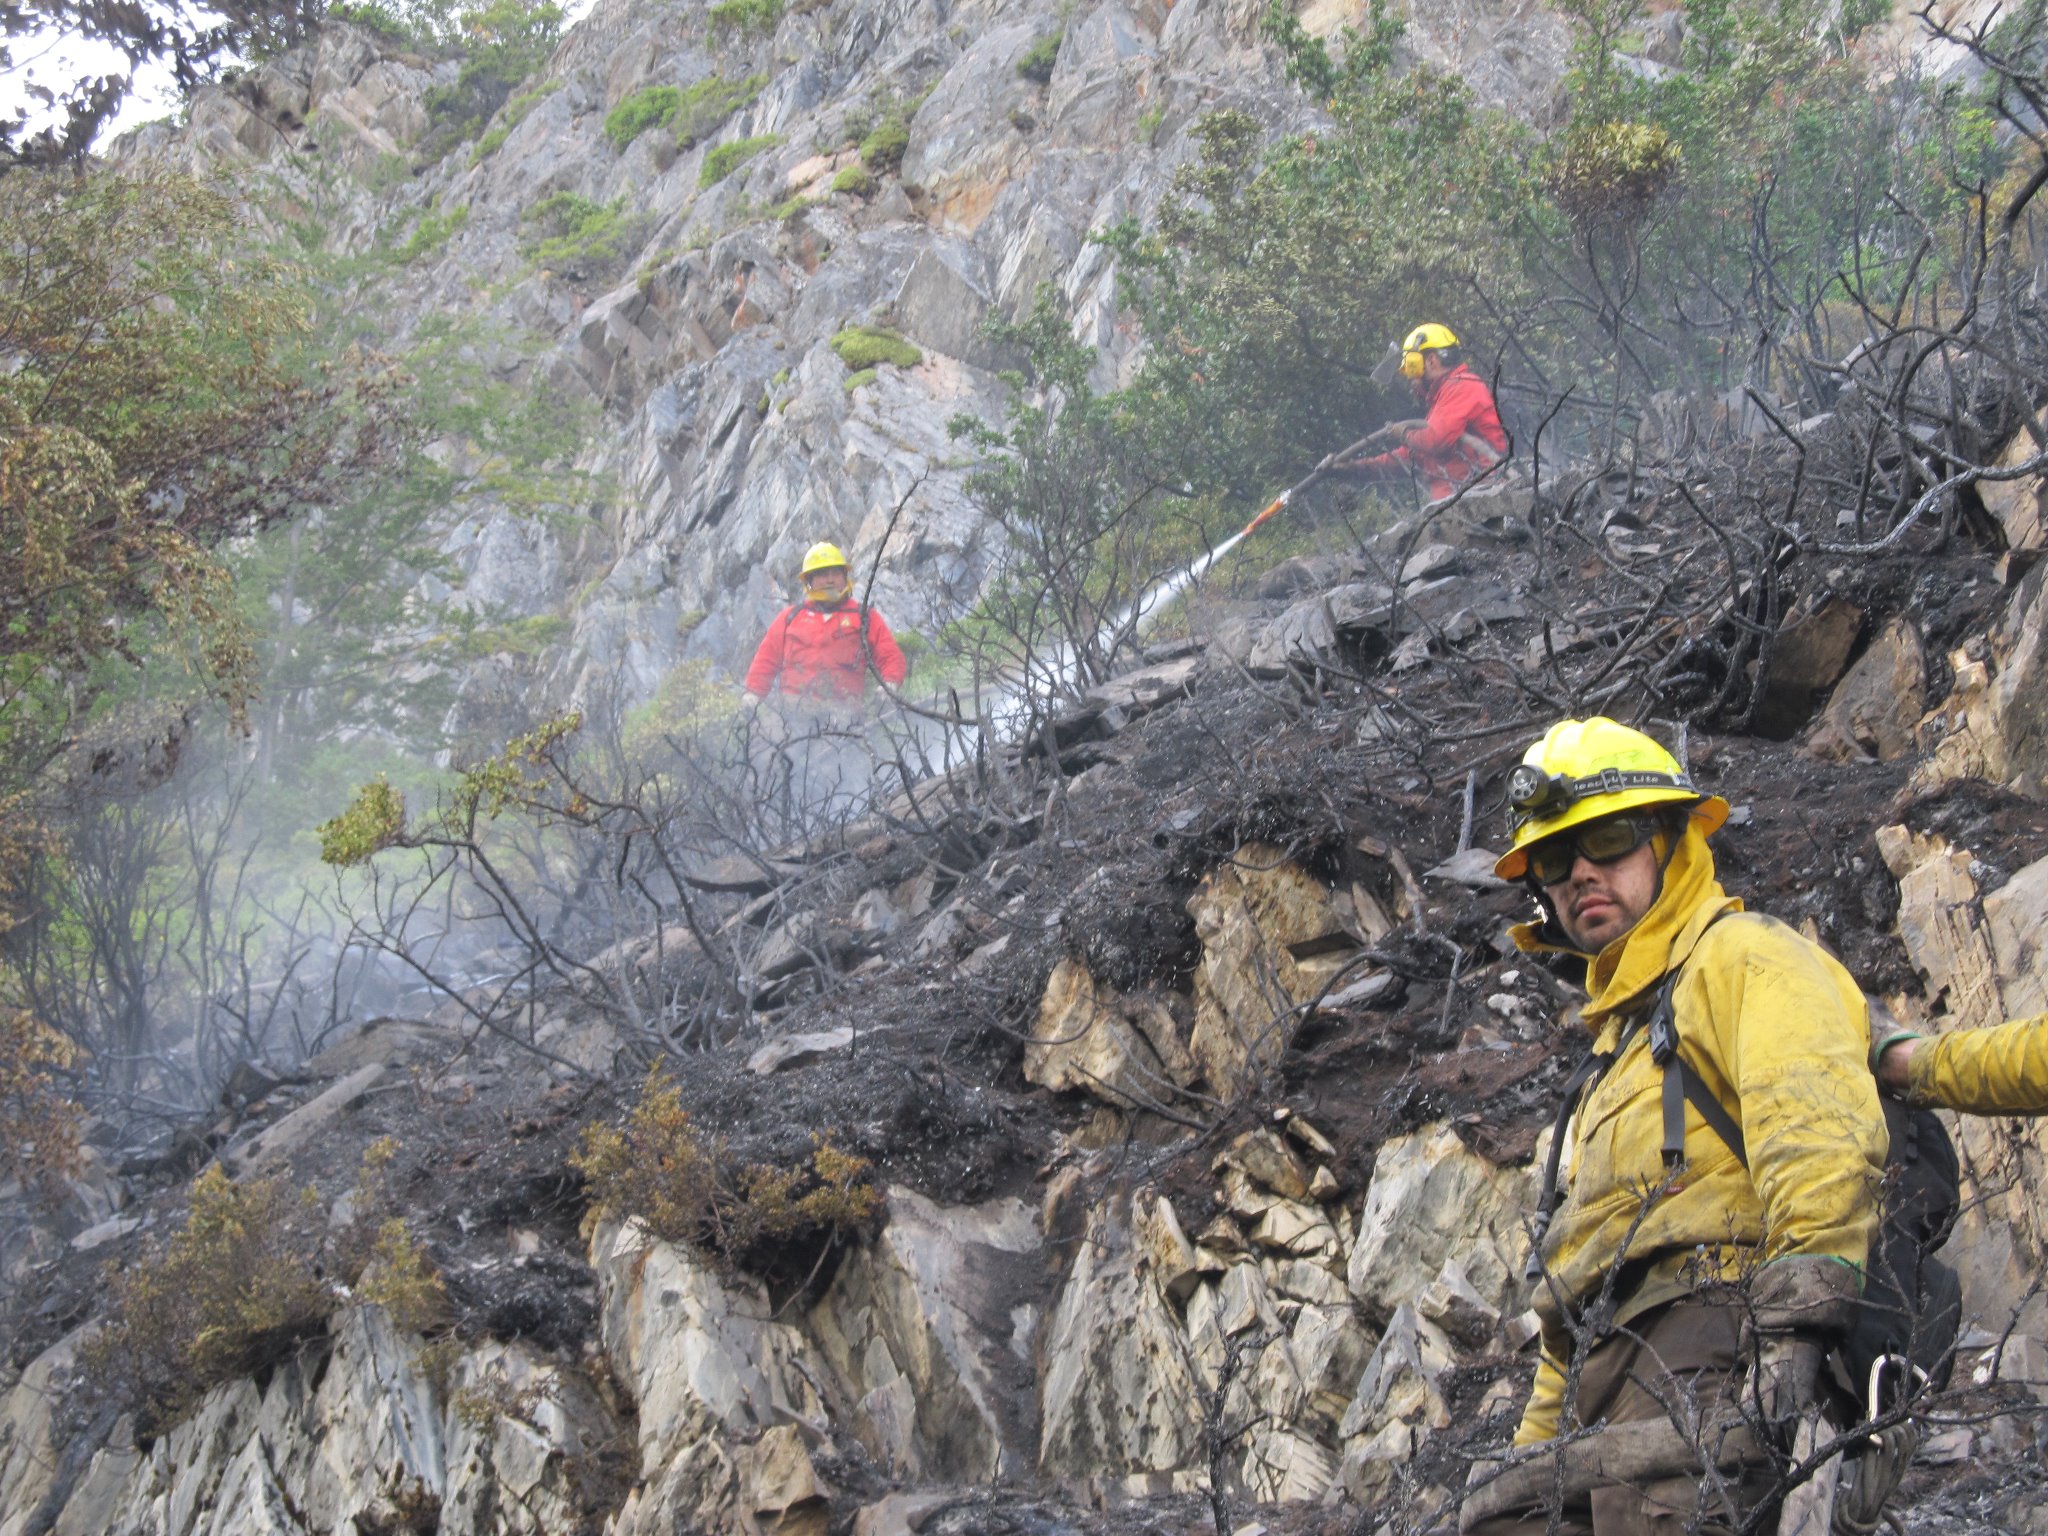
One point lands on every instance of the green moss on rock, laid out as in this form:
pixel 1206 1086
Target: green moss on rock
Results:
pixel 865 347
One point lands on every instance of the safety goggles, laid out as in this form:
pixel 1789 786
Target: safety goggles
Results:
pixel 1598 842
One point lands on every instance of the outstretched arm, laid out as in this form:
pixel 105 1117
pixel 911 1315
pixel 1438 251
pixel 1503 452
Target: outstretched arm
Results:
pixel 2001 1070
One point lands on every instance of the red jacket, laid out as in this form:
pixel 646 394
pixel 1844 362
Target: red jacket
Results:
pixel 1438 452
pixel 816 652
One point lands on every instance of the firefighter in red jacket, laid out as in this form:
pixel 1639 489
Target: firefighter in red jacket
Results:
pixel 1462 435
pixel 817 653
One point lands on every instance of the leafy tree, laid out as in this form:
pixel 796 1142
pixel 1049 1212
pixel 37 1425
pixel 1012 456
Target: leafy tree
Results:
pixel 1070 482
pixel 195 41
pixel 501 43
pixel 1280 272
pixel 150 407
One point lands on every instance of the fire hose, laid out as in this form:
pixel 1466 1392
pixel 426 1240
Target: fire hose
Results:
pixel 1371 439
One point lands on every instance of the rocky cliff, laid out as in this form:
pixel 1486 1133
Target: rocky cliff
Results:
pixel 695 332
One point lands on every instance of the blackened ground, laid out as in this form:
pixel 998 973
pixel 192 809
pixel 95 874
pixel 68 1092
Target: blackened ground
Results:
pixel 1363 777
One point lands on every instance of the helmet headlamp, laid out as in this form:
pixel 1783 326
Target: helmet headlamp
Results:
pixel 1534 794
pixel 1530 789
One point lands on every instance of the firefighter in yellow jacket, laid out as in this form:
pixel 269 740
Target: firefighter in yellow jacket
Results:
pixel 1693 1284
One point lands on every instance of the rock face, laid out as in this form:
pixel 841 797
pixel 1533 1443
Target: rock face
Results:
pixel 705 1364
pixel 721 437
pixel 1994 724
pixel 1979 953
pixel 912 1327
pixel 1876 708
pixel 1249 986
pixel 1126 1051
pixel 359 1436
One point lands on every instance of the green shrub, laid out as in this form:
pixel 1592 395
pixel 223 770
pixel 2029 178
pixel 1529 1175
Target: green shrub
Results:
pixel 745 16
pixel 662 1169
pixel 722 161
pixel 381 20
pixel 1148 124
pixel 703 108
pixel 854 179
pixel 653 106
pixel 232 1290
pixel 433 231
pixel 402 1280
pixel 882 150
pixel 866 346
pixel 1039 58
pixel 573 231
pixel 858 378
pixel 790 207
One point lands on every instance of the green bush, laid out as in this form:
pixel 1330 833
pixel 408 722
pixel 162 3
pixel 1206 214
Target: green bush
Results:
pixel 504 41
pixel 573 231
pixel 866 346
pixel 1039 58
pixel 882 150
pixel 510 116
pixel 856 380
pixel 790 207
pixel 653 106
pixel 433 231
pixel 251 1274
pixel 854 179
pixel 745 16
pixel 722 161
pixel 704 107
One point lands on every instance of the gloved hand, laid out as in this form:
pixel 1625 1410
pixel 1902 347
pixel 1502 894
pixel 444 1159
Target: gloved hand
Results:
pixel 1799 1306
pixel 751 698
pixel 1784 1377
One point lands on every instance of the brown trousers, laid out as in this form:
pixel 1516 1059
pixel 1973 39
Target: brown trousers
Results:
pixel 1680 1360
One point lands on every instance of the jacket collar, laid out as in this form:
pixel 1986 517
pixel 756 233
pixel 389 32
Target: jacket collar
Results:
pixel 1444 383
pixel 1630 967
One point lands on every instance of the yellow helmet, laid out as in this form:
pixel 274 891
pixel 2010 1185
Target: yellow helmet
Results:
pixel 822 557
pixel 1424 338
pixel 1585 769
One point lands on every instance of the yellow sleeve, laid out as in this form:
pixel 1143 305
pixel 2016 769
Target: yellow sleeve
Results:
pixel 1546 1403
pixel 1998 1071
pixel 1796 1035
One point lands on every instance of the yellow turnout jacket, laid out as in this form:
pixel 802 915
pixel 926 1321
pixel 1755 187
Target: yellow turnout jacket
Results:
pixel 1778 1033
pixel 2002 1070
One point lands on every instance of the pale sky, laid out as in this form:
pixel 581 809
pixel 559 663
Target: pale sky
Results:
pixel 56 62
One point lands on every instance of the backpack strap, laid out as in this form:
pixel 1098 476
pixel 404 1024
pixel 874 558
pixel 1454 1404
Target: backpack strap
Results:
pixel 1586 1073
pixel 1683 1086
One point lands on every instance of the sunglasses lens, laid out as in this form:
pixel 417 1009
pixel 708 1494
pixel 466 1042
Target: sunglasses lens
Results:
pixel 1604 840
pixel 1551 862
pixel 1600 841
